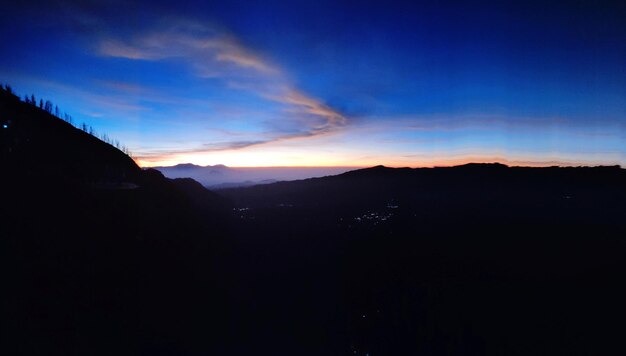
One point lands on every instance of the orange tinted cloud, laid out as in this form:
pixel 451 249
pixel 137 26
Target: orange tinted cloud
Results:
pixel 216 54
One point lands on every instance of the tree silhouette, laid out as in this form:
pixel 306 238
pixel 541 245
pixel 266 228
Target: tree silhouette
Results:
pixel 54 110
pixel 48 106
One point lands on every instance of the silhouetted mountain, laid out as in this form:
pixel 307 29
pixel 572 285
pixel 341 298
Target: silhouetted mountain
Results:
pixel 468 192
pixel 204 199
pixel 186 166
pixel 220 176
pixel 99 256
pixel 477 259
pixel 35 143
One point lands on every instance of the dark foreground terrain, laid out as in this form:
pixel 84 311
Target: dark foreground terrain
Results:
pixel 100 257
pixel 476 259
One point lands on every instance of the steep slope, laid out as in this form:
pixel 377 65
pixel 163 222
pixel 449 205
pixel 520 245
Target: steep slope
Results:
pixel 35 143
pixel 99 256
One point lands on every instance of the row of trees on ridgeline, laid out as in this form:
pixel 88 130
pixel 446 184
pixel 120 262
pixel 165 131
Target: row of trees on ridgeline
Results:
pixel 54 110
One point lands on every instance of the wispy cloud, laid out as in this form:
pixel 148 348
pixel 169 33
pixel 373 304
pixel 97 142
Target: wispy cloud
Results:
pixel 207 50
pixel 207 147
pixel 468 121
pixel 245 60
pixel 160 154
pixel 99 101
pixel 308 105
pixel 226 146
pixel 113 48
pixel 216 54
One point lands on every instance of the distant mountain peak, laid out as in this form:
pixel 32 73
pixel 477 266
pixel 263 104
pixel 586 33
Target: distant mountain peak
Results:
pixel 186 166
pixel 195 166
pixel 482 166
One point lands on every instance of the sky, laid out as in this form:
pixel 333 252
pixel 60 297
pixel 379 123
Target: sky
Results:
pixel 331 83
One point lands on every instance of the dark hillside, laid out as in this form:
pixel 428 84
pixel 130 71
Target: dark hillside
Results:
pixel 37 144
pixel 99 256
pixel 469 193
pixel 480 259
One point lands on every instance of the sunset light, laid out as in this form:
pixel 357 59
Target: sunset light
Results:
pixel 381 85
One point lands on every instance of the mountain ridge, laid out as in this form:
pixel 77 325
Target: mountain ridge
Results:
pixel 94 246
pixel 103 257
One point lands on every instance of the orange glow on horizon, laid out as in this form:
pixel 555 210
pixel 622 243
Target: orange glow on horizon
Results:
pixel 253 162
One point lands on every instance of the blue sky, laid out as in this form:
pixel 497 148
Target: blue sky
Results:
pixel 332 83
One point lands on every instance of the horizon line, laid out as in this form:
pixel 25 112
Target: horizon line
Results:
pixel 510 165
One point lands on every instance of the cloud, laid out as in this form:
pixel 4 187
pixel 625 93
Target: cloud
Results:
pixel 216 54
pixel 99 101
pixel 160 154
pixel 309 115
pixel 227 146
pixel 246 61
pixel 308 105
pixel 164 154
pixel 204 48
pixel 469 121
pixel 112 48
